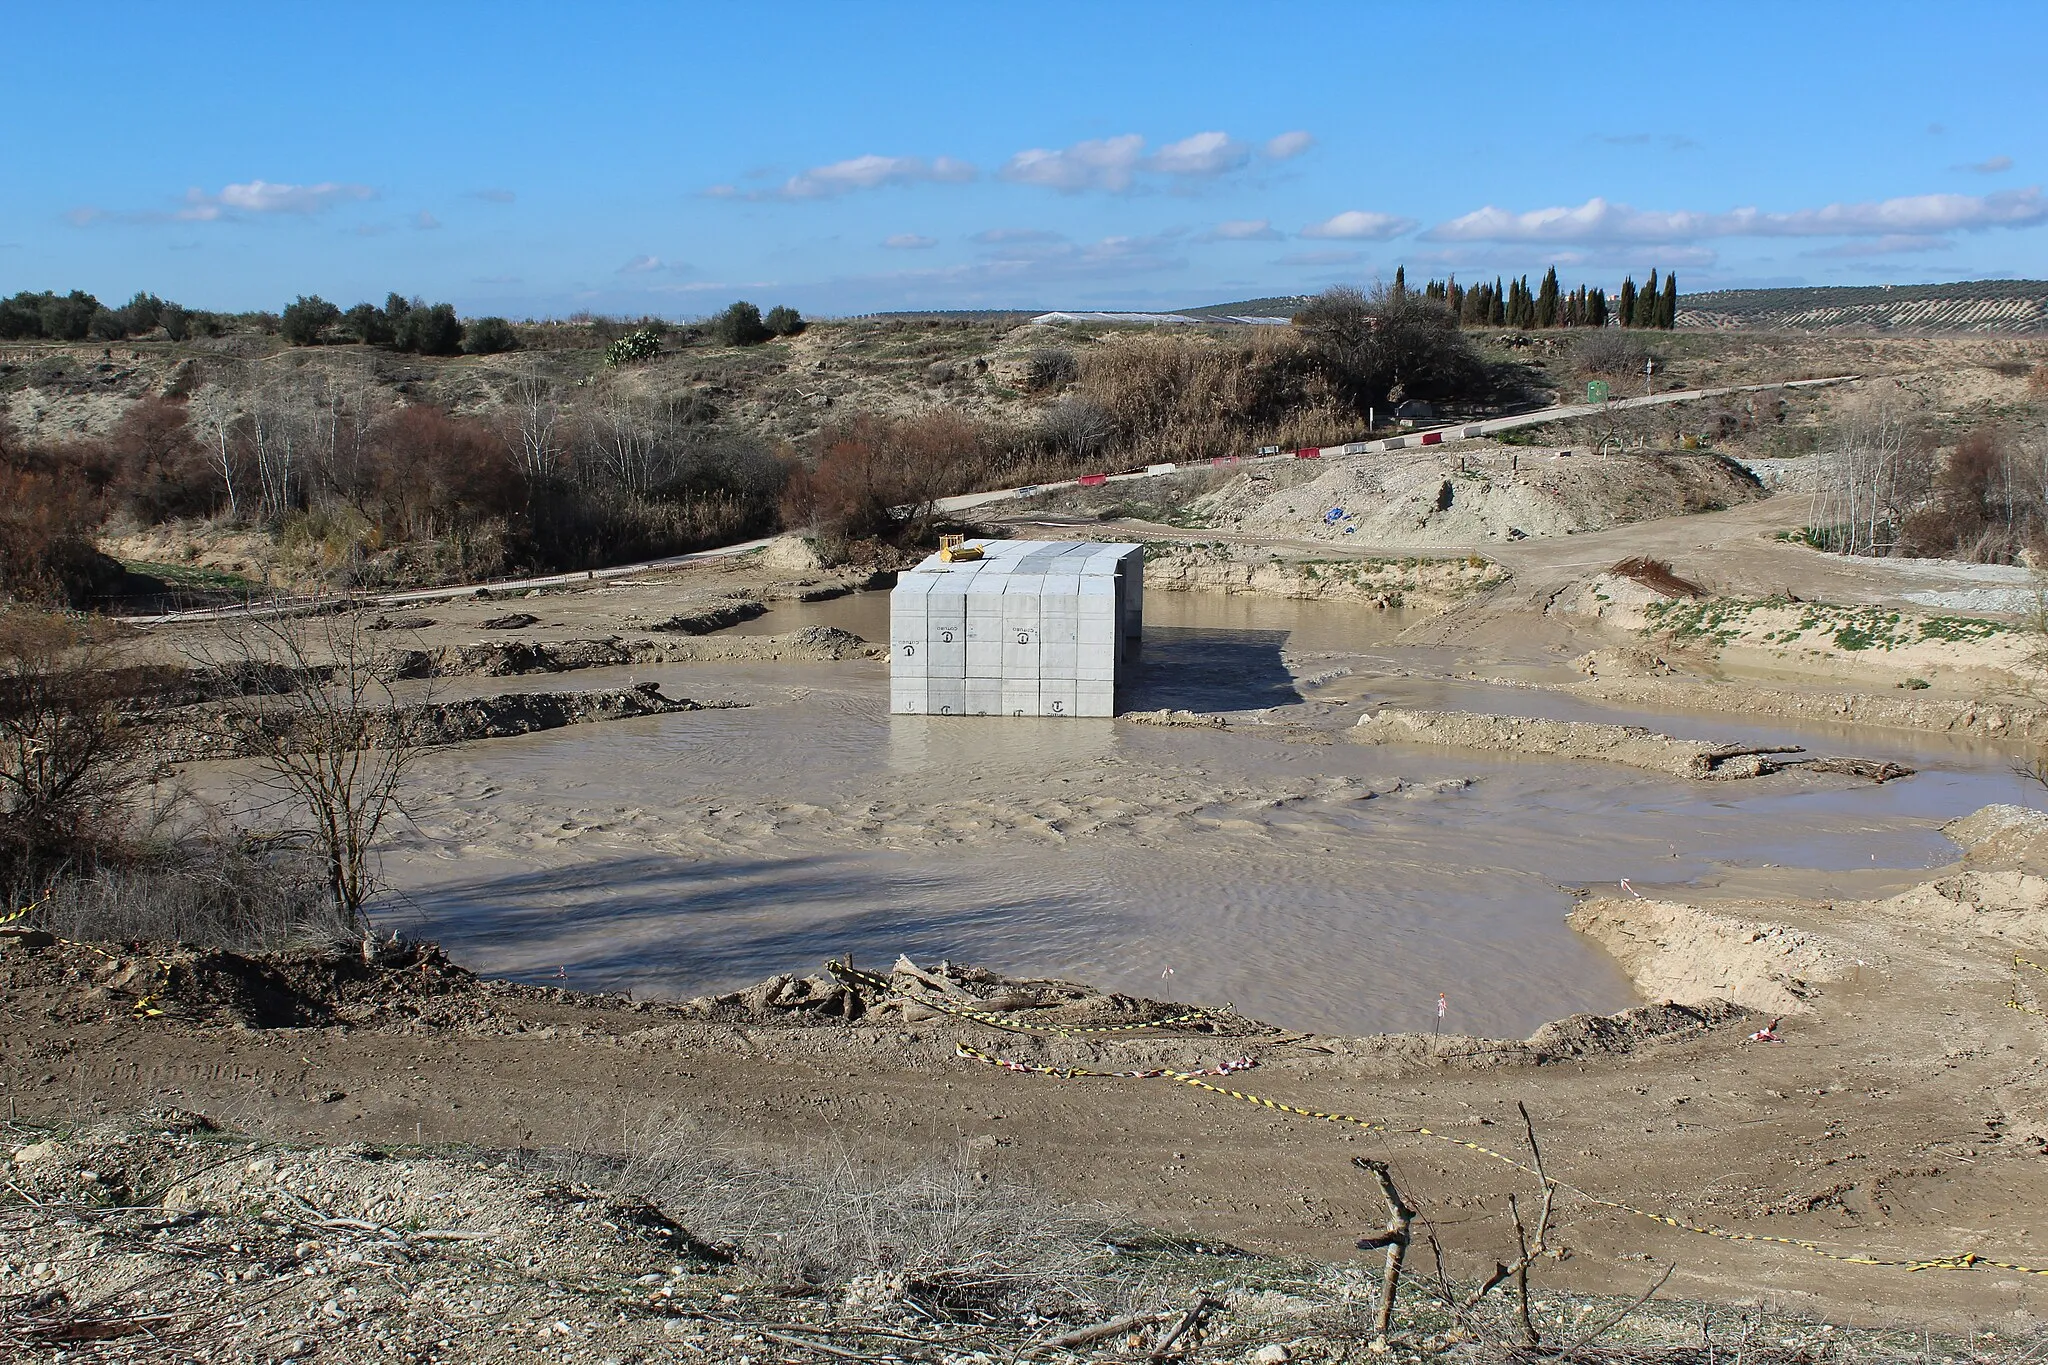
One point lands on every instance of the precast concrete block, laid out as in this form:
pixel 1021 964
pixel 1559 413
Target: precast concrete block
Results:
pixel 1056 697
pixel 1098 630
pixel 906 697
pixel 1057 659
pixel 1020 697
pixel 946 697
pixel 983 696
pixel 1094 698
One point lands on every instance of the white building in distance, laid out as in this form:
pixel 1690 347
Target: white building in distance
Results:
pixel 1031 628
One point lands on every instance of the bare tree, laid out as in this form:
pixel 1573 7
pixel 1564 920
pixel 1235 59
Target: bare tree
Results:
pixel 68 766
pixel 531 433
pixel 323 721
pixel 1873 475
pixel 217 417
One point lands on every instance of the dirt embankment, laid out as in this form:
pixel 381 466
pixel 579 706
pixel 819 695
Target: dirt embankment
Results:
pixel 516 658
pixel 1784 635
pixel 206 732
pixel 1414 583
pixel 1477 492
pixel 1630 745
pixel 1692 956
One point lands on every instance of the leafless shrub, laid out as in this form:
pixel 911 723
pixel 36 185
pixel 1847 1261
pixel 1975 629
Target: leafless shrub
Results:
pixel 1048 369
pixel 1612 352
pixel 68 767
pixel 938 1236
pixel 333 759
pixel 244 895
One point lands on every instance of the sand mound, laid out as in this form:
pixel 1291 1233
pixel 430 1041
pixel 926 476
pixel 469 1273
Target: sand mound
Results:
pixel 791 554
pixel 1480 493
pixel 1692 956
pixel 2012 835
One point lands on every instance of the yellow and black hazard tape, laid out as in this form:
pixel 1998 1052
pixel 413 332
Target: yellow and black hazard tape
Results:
pixel 25 910
pixel 1961 1261
pixel 855 976
pixel 145 1006
pixel 2013 1001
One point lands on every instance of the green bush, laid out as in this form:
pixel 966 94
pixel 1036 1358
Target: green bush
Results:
pixel 489 336
pixel 633 347
pixel 740 325
pixel 306 318
pixel 369 324
pixel 783 320
pixel 430 329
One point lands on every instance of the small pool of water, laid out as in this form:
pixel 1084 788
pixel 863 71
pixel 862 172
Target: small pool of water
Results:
pixel 1309 880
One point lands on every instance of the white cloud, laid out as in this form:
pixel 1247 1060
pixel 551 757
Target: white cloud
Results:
pixel 1115 163
pixel 263 196
pixel 1357 224
pixel 425 222
pixel 1288 145
pixel 1202 154
pixel 868 172
pixel 1242 230
pixel 1598 220
pixel 1109 163
pixel 1990 165
pixel 641 265
pixel 909 241
pixel 1894 244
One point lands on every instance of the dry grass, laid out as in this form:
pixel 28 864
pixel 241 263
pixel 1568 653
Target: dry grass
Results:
pixel 940 1236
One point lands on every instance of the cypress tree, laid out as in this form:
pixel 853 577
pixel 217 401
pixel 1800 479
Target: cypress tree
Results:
pixel 1454 298
pixel 1546 300
pixel 1627 303
pixel 1596 308
pixel 1499 312
pixel 1646 303
pixel 1667 307
pixel 1400 280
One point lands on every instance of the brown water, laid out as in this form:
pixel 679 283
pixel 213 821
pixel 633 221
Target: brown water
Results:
pixel 1308 880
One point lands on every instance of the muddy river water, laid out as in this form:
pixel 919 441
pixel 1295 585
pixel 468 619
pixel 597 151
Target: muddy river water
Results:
pixel 1276 865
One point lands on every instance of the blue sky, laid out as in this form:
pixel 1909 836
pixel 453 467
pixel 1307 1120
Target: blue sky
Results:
pixel 535 160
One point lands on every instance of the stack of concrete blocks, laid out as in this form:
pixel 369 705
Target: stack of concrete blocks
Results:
pixel 1032 628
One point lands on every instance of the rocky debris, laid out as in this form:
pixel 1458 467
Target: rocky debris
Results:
pixel 1631 745
pixel 523 713
pixel 196 733
pixel 401 623
pixel 403 986
pixel 1173 719
pixel 718 617
pixel 2015 835
pixel 1693 956
pixel 915 994
pixel 517 620
pixel 1627 661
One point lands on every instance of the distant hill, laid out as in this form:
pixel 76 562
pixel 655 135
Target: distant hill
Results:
pixel 1284 307
pixel 1971 306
